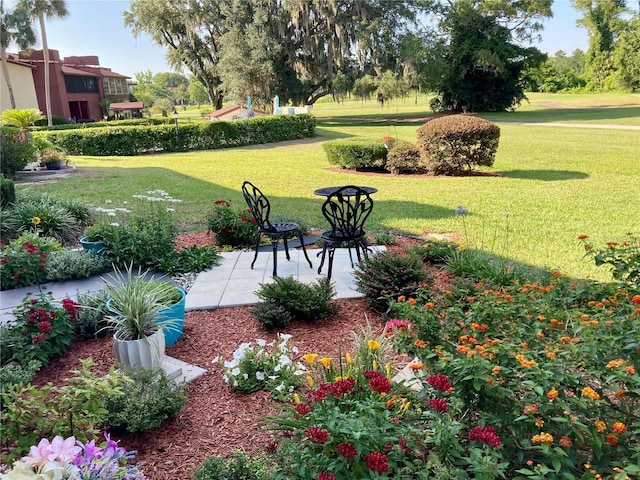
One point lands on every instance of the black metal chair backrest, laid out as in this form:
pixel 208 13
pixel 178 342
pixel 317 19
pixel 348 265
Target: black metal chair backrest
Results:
pixel 258 205
pixel 346 210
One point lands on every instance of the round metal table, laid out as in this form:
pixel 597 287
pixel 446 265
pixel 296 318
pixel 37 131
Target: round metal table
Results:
pixel 326 191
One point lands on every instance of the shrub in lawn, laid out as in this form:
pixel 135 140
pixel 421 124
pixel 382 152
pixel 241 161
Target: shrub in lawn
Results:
pixel 145 400
pixel 435 251
pixel 7 192
pixel 623 258
pixel 302 301
pixel 265 366
pixel 234 227
pixel 71 410
pixel 71 264
pixel 237 467
pixel 90 316
pixel 356 153
pixel 388 275
pixel 552 368
pixel 455 144
pixel 42 330
pixel 405 158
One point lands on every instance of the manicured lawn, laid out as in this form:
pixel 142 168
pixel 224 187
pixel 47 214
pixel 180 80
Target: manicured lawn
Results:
pixel 555 183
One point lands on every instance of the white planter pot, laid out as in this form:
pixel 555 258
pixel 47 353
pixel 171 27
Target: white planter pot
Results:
pixel 147 352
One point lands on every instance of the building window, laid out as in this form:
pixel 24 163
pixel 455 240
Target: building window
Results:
pixel 115 86
pixel 76 84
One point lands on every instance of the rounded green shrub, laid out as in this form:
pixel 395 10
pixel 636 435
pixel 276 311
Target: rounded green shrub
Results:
pixel 455 144
pixel 16 150
pixel 388 275
pixel 356 153
pixel 237 467
pixel 7 192
pixel 405 158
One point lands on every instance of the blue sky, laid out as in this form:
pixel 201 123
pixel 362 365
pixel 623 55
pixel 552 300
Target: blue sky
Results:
pixel 95 27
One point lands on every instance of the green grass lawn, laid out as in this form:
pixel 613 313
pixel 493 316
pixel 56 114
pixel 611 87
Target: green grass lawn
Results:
pixel 554 182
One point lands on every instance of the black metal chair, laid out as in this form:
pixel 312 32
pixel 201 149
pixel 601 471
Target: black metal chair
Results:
pixel 260 209
pixel 346 210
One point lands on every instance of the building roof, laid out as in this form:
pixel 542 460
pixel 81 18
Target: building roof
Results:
pixel 13 58
pixel 120 106
pixel 237 110
pixel 74 71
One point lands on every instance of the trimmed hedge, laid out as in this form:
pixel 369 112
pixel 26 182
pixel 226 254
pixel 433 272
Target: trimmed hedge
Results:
pixel 42 125
pixel 136 140
pixel 453 144
pixel 405 158
pixel 356 153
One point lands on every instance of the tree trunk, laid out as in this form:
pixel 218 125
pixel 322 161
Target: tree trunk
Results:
pixel 47 80
pixel 5 71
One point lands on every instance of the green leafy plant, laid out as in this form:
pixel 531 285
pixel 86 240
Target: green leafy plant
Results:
pixel 405 158
pixel 91 315
pixel 233 227
pixel 145 400
pixel 192 259
pixel 73 264
pixel 73 409
pixel 435 251
pixel 384 238
pixel 21 265
pixel 7 192
pixel 356 153
pixel 622 257
pixel 42 330
pixel 482 266
pixel 389 275
pixel 239 466
pixel 266 366
pixel 16 374
pixel 301 301
pixel 17 150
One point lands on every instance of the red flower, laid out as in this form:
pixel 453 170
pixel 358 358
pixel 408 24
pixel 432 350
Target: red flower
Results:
pixel 440 382
pixel 486 435
pixel 376 461
pixel 438 405
pixel 38 338
pixel 317 435
pixel 338 388
pixel 635 300
pixel 303 408
pixel 377 381
pixel 326 476
pixel 44 327
pixel 347 450
pixel 317 395
pixel 71 307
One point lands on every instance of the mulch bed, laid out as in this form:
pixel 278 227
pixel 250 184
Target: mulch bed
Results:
pixel 215 419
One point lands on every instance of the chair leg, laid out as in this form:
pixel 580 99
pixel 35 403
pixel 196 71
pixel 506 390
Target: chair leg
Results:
pixel 332 251
pixel 286 247
pixel 255 257
pixel 323 253
pixel 274 247
pixel 304 250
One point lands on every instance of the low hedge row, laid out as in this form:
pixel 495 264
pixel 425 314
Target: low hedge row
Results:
pixel 136 140
pixel 114 123
pixel 356 153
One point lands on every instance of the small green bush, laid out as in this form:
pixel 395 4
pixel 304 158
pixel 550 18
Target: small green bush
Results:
pixel 454 144
pixel 7 192
pixel 389 275
pixel 356 153
pixel 302 301
pixel 405 158
pixel 16 150
pixel 90 316
pixel 147 399
pixel 237 467
pixel 192 259
pixel 484 267
pixel 271 315
pixel 16 374
pixel 435 251
pixel 71 264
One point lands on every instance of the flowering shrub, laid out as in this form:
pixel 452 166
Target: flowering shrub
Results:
pixel 233 227
pixel 552 368
pixel 42 330
pixel 623 257
pixel 21 264
pixel 355 422
pixel 267 366
pixel 71 459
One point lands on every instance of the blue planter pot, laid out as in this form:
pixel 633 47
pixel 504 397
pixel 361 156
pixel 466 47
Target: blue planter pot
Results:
pixel 96 247
pixel 175 313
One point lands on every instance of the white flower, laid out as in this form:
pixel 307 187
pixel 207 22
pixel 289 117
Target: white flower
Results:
pixel 215 359
pixel 284 360
pixel 280 387
pixel 261 342
pixel 245 376
pixel 295 350
pixel 285 337
pixel 231 364
pixel 277 368
pixel 259 376
pixel 108 201
pixel 241 351
pixel 273 377
pixel 171 209
pixel 235 371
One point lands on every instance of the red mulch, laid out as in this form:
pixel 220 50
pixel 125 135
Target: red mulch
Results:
pixel 215 419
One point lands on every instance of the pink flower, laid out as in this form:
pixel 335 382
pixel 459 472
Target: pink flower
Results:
pixel 486 435
pixel 63 450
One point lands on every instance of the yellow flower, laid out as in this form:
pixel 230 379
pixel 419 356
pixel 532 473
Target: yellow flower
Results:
pixel 601 426
pixel 590 393
pixel 310 381
pixel 347 357
pixel 36 220
pixel 310 357
pixel 543 438
pixel 296 399
pixel 325 361
pixel 373 345
pixel 388 369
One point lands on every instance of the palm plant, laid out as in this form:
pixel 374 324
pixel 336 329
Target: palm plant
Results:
pixel 50 9
pixel 15 27
pixel 22 119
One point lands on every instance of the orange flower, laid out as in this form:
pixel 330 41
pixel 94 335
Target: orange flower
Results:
pixel 566 442
pixel 496 370
pixel 415 366
pixel 540 335
pixel 611 440
pixel 542 438
pixel 619 427
pixel 565 339
pixel 430 305
pixel 620 393
pixel 590 393
pixel 635 300
pixel 539 422
pixel 630 369
pixel 583 237
pixel 551 394
pixel 530 409
pixel 601 426
pixel 401 298
pixel 420 344
pixel 411 301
